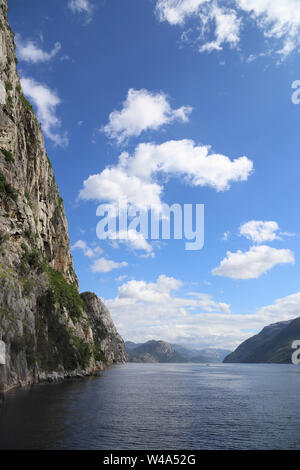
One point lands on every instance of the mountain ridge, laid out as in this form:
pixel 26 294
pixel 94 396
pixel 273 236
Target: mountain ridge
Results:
pixel 162 351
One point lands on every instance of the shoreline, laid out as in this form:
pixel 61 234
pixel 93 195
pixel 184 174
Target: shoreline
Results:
pixel 57 377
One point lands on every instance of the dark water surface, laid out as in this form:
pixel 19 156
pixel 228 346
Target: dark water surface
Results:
pixel 160 406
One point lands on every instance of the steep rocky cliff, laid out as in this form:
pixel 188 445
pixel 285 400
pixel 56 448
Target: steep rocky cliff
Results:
pixel 46 328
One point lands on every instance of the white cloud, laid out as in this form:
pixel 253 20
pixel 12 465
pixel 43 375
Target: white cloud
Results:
pixel 195 163
pixel 253 263
pixel 46 101
pixel 88 251
pixel 227 28
pixel 133 180
pixel 81 6
pixel 175 12
pixel 114 185
pixel 143 111
pixel 103 265
pixel 259 231
pixel 279 20
pixel 156 310
pixel 285 308
pixel 150 292
pixel 288 234
pixel 160 293
pixel 134 240
pixel 213 17
pixel 225 236
pixel 28 51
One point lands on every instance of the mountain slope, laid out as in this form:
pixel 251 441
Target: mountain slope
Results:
pixel 154 351
pixel 46 327
pixel 272 345
pixel 161 351
pixel 211 355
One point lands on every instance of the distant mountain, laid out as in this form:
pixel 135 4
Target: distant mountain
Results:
pixel 154 351
pixel 202 355
pixel 187 353
pixel 272 345
pixel 161 351
pixel 211 355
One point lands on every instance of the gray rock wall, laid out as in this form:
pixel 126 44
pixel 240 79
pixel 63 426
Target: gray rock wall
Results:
pixel 2 353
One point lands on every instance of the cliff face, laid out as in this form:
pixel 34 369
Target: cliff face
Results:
pixel 106 337
pixel 46 328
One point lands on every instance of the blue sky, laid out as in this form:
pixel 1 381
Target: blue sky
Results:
pixel 161 80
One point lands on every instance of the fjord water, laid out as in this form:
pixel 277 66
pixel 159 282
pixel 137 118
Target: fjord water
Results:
pixel 160 406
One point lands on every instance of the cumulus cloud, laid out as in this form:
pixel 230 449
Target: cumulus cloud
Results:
pixel 259 231
pixel 142 111
pixel 114 185
pixel 28 51
pixel 253 263
pixel 278 20
pixel 103 265
pixel 46 101
pixel 157 310
pixel 88 251
pixel 133 180
pixel 150 292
